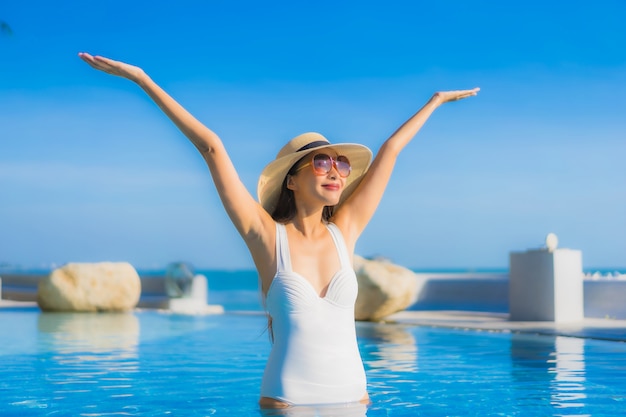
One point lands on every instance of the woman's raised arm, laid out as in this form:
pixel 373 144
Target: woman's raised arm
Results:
pixel 356 212
pixel 247 215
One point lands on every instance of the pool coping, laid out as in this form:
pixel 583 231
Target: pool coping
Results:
pixel 591 328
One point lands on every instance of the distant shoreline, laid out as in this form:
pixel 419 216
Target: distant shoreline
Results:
pixel 160 271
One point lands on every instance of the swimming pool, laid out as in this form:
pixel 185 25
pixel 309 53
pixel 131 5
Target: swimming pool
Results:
pixel 154 364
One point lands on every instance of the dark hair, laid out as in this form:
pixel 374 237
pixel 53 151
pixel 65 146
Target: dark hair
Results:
pixel 285 209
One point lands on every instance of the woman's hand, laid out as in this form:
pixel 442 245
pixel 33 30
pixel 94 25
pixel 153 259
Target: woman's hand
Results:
pixel 446 96
pixel 110 66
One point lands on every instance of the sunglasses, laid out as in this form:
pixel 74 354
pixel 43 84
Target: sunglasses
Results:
pixel 322 164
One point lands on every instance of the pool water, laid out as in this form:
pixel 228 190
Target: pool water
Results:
pixel 154 364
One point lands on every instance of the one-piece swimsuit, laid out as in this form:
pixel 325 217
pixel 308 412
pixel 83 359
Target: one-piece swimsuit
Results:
pixel 315 357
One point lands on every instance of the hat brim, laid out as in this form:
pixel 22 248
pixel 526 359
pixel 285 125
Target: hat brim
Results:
pixel 273 175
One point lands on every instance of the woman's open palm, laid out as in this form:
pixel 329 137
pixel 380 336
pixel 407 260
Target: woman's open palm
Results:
pixel 110 66
pixel 446 96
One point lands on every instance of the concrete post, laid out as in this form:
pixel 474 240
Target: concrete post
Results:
pixel 196 302
pixel 546 285
pixel 200 289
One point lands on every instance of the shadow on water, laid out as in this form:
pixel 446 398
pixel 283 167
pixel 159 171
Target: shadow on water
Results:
pixel 387 347
pixel 390 356
pixel 89 362
pixel 116 334
pixel 549 372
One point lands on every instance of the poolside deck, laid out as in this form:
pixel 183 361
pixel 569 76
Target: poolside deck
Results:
pixel 594 328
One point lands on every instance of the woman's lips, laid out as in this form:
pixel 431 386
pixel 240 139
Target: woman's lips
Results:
pixel 332 187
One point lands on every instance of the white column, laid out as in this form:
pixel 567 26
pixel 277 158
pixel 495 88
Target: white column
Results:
pixel 546 285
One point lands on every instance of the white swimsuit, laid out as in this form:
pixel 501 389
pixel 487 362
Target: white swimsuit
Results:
pixel 315 358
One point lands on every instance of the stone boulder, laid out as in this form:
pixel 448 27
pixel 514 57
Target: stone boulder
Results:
pixel 384 288
pixel 104 286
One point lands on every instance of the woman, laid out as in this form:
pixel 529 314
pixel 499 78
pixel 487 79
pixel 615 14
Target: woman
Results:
pixel 315 199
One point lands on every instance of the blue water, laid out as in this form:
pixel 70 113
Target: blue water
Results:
pixel 154 364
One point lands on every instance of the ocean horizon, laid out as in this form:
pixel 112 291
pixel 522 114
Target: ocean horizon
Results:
pixel 8 268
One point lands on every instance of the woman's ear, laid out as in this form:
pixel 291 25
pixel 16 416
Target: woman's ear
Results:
pixel 291 184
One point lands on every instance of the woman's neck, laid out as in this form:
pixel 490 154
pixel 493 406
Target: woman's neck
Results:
pixel 309 225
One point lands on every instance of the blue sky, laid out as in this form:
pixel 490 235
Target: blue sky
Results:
pixel 90 170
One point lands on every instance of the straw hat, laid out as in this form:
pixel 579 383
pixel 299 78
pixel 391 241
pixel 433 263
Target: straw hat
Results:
pixel 273 175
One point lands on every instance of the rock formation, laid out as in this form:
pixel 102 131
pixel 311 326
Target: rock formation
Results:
pixel 105 286
pixel 384 288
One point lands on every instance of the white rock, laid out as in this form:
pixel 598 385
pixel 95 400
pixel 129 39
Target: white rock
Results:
pixel 384 288
pixel 104 286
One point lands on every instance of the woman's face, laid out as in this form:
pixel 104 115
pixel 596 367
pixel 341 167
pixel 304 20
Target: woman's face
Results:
pixel 314 186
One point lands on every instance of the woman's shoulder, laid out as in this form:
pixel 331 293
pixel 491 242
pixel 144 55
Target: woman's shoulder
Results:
pixel 345 229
